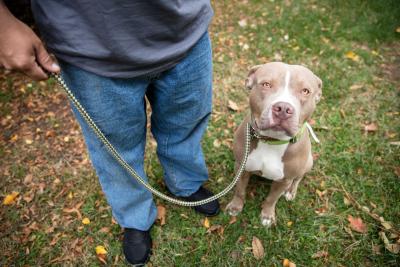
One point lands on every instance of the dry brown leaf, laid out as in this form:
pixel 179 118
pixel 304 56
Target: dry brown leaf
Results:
pixel 28 179
pixel 386 225
pixel 242 23
pixel 393 248
pixel 346 201
pixel 376 249
pixel 102 258
pixel 258 249
pixel 372 127
pixel 161 214
pixel 232 105
pixel 356 86
pixel 233 220
pixel 73 210
pixel 216 143
pixel 216 228
pixel 357 224
pixel 320 254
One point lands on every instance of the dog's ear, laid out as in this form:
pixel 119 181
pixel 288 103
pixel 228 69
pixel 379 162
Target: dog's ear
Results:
pixel 250 77
pixel 318 95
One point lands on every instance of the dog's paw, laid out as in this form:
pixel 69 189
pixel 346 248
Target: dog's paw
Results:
pixel 234 207
pixel 289 196
pixel 268 221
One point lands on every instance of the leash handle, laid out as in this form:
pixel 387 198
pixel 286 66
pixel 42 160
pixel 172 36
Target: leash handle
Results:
pixel 114 153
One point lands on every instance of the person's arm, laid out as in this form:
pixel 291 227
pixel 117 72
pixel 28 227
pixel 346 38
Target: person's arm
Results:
pixel 21 49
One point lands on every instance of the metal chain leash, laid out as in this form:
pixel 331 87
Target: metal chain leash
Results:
pixel 123 163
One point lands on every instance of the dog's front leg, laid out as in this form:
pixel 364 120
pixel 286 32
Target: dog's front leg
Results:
pixel 236 205
pixel 268 217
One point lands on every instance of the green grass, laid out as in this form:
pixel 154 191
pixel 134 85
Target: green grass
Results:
pixel 318 35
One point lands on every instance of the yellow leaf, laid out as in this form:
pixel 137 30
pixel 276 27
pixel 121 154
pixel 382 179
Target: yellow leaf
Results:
pixel 86 220
pixel 10 198
pixel 289 223
pixel 288 263
pixel 206 223
pixel 14 138
pixel 353 56
pixel 28 141
pixel 100 250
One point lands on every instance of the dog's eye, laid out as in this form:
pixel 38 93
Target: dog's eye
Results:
pixel 305 91
pixel 266 85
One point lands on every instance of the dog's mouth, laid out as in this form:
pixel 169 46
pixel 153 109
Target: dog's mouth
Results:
pixel 269 126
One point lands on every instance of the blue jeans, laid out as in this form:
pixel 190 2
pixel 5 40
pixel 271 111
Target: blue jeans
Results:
pixel 180 99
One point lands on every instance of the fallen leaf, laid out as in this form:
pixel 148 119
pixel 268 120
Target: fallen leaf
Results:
pixel 206 223
pixel 73 210
pixel 393 248
pixel 356 86
pixel 233 220
pixel 101 254
pixel 86 221
pixel 258 249
pixel 216 143
pixel 372 127
pixel 232 105
pixel 386 225
pixel 161 214
pixel 28 141
pixel 242 23
pixel 104 230
pixel 357 224
pixel 241 239
pixel 346 201
pixel 101 250
pixel 376 249
pixel 216 228
pixel 10 198
pixel 320 254
pixel 28 179
pixel 288 263
pixel 353 56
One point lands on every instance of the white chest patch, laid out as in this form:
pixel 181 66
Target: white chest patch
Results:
pixel 267 159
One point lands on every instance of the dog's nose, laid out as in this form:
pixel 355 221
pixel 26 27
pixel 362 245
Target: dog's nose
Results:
pixel 282 110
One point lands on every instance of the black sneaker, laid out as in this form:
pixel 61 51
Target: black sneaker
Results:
pixel 209 209
pixel 137 246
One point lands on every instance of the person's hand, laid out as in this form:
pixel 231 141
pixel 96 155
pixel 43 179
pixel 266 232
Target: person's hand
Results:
pixel 21 49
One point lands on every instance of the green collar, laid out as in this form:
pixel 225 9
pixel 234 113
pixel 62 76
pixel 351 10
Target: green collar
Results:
pixel 273 141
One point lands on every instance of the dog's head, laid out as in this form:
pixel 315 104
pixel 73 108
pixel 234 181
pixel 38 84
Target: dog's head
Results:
pixel 282 97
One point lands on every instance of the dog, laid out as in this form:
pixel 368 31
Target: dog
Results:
pixel 282 98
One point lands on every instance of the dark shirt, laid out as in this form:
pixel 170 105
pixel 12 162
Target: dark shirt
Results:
pixel 121 38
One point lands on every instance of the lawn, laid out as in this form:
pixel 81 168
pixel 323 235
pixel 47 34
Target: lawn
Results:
pixel 60 214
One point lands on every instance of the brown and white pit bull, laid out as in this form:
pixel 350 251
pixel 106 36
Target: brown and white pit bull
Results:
pixel 282 99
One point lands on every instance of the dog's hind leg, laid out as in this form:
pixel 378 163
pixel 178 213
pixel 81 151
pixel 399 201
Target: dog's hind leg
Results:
pixel 290 193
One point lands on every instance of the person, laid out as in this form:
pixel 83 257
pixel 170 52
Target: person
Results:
pixel 113 54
